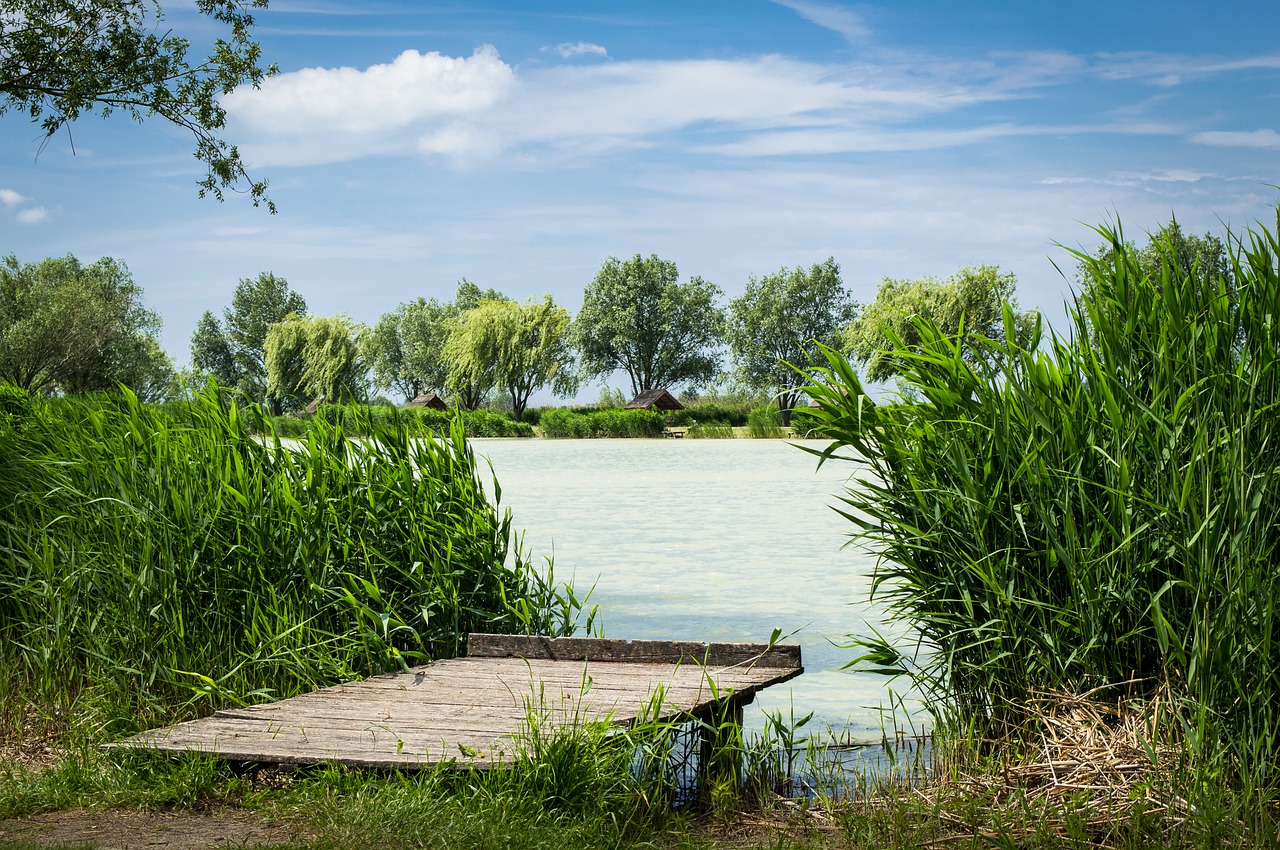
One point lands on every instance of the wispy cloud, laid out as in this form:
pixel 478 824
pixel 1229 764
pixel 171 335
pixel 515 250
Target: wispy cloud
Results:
pixel 33 215
pixel 1239 138
pixel 10 198
pixel 567 50
pixel 829 16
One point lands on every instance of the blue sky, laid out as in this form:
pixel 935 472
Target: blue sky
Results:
pixel 519 144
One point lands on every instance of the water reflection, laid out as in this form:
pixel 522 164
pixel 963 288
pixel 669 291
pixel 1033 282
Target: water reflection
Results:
pixel 706 540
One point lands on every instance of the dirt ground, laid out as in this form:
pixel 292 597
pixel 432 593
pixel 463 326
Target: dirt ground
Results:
pixel 117 829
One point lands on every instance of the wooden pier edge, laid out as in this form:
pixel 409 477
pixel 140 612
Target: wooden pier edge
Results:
pixel 542 648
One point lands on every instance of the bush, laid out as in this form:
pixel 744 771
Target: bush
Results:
pixel 156 558
pixel 352 418
pixel 1100 509
pixel 565 423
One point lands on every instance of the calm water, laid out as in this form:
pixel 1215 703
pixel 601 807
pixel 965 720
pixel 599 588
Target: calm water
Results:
pixel 706 540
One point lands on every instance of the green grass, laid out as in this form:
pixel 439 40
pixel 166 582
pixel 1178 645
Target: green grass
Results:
pixel 1101 508
pixel 354 419
pixel 160 563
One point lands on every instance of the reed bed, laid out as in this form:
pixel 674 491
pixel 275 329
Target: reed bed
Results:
pixel 158 563
pixel 1093 509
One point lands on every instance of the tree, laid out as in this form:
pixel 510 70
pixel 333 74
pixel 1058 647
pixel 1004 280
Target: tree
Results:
pixel 76 328
pixel 60 59
pixel 523 346
pixel 404 349
pixel 468 386
pixel 233 351
pixel 774 324
pixel 637 317
pixel 969 301
pixel 315 357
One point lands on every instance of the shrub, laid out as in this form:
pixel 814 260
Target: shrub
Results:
pixel 710 430
pixel 565 423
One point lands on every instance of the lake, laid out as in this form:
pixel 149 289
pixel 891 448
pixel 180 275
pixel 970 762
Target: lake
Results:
pixel 708 540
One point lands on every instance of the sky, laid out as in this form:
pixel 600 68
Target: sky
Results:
pixel 521 144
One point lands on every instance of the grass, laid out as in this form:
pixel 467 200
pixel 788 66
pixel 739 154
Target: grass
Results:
pixel 155 564
pixel 1097 509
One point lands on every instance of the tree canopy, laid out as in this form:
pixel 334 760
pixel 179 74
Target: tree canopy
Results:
pixel 61 59
pixel 971 300
pixel 315 357
pixel 774 324
pixel 523 346
pixel 78 328
pixel 636 316
pixel 233 351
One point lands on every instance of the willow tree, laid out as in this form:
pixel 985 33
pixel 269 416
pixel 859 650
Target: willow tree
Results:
pixel 967 306
pixel 522 347
pixel 315 357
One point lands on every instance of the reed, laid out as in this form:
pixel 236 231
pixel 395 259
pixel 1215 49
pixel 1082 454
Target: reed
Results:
pixel 162 562
pixel 1099 508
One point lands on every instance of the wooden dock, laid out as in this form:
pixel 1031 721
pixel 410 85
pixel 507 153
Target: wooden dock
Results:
pixel 471 710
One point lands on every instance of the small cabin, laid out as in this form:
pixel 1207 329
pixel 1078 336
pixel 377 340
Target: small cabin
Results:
pixel 430 400
pixel 655 400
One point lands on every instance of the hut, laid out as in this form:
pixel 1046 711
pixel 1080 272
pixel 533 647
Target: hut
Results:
pixel 315 405
pixel 430 400
pixel 655 400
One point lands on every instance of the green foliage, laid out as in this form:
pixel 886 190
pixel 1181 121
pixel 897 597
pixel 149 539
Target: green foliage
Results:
pixel 405 349
pixel 560 422
pixel 233 351
pixel 151 561
pixel 726 412
pixel 636 316
pixel 1097 509
pixel 765 422
pixel 352 418
pixel 75 328
pixel 524 347
pixel 774 325
pixel 311 357
pixel 60 59
pixel 15 406
pixel 710 431
pixel 969 302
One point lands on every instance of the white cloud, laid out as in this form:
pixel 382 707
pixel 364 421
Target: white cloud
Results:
pixel 829 16
pixel 10 198
pixel 34 215
pixel 332 114
pixel 565 50
pixel 1239 138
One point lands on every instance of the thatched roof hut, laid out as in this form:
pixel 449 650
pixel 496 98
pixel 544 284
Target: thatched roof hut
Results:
pixel 655 400
pixel 430 400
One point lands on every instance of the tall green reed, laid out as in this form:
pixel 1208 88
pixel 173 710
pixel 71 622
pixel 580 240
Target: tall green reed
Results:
pixel 1096 508
pixel 151 557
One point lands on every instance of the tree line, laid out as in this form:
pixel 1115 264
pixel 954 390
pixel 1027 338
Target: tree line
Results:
pixel 66 327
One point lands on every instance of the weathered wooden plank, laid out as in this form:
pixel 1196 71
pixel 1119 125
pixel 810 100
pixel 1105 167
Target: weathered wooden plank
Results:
pixel 631 651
